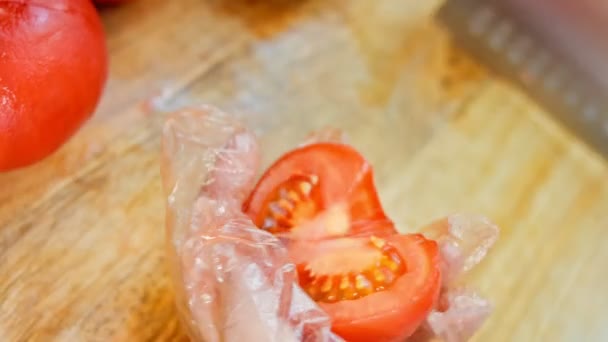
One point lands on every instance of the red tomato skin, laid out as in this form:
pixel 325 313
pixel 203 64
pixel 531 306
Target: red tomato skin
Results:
pixel 392 325
pixel 53 68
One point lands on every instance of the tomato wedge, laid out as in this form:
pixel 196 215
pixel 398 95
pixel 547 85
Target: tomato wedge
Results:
pixel 374 289
pixel 329 178
pixel 375 284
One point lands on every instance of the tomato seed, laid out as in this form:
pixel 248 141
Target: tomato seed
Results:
pixel 379 276
pixel 344 283
pixel 362 283
pixel 305 188
pixel 293 196
pixel 389 263
pixel 326 285
pixel 379 243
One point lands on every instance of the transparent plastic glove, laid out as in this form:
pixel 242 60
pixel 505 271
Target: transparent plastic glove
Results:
pixel 234 282
pixel 464 240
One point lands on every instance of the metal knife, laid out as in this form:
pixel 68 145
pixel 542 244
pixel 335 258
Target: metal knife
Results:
pixel 556 51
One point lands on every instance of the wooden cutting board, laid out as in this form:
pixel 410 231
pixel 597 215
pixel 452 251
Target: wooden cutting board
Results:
pixel 82 235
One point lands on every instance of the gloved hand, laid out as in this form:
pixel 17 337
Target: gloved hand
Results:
pixel 235 282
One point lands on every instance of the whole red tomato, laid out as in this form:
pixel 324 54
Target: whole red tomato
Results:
pixel 53 68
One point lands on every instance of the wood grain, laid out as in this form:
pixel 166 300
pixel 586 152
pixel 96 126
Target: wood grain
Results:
pixel 81 234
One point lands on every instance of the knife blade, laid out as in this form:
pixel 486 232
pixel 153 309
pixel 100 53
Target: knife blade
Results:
pixel 556 58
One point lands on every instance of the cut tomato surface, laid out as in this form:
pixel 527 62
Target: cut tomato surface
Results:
pixel 375 284
pixel 374 289
pixel 328 179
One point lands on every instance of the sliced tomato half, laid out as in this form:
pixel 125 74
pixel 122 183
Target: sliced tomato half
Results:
pixel 329 178
pixel 374 289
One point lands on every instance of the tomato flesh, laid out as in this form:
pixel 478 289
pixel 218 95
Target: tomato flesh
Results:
pixel 374 289
pixel 355 272
pixel 312 179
